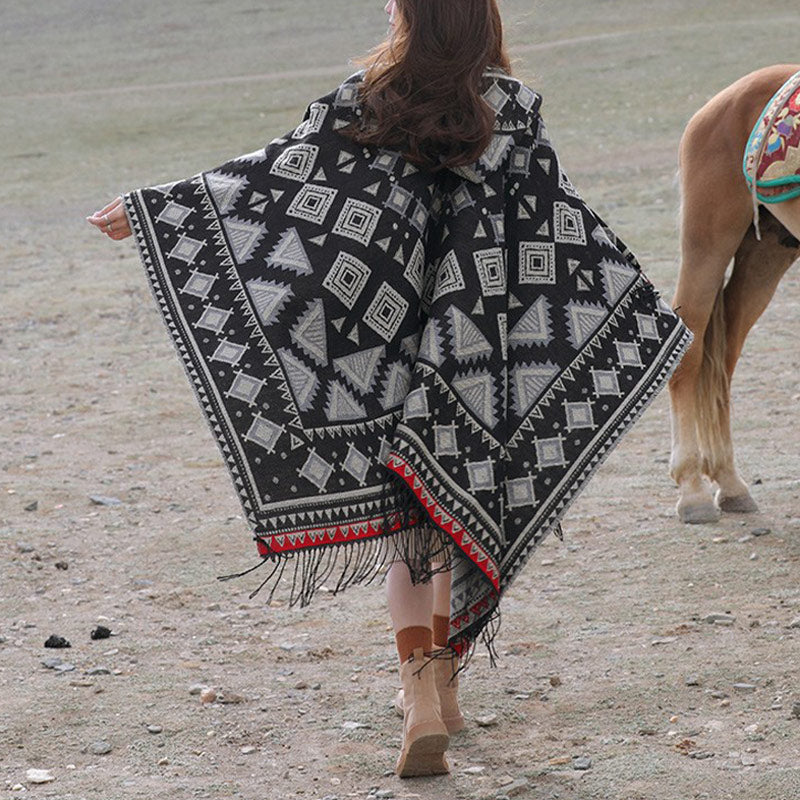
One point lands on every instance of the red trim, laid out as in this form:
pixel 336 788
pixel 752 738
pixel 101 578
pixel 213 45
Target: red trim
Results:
pixel 446 520
pixel 310 537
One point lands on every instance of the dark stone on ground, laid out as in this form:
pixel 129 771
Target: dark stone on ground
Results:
pixel 100 632
pixel 56 642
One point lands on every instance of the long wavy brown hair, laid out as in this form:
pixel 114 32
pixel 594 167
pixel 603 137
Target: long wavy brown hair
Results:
pixel 421 92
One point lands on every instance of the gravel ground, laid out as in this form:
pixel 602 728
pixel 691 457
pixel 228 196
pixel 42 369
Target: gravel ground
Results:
pixel 639 660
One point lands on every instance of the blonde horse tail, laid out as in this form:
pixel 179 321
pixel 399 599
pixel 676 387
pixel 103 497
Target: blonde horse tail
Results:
pixel 713 390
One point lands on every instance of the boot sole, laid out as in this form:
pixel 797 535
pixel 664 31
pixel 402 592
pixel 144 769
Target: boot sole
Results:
pixel 425 754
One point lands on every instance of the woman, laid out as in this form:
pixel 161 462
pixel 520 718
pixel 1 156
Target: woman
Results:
pixel 412 338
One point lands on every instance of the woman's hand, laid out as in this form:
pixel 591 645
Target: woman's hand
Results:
pixel 112 220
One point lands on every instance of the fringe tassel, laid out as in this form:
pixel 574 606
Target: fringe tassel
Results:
pixel 407 535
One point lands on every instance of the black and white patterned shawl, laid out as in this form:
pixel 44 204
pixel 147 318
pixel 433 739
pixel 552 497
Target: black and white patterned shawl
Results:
pixel 368 338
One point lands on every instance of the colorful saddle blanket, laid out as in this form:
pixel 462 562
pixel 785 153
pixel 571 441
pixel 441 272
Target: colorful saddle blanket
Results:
pixel 772 155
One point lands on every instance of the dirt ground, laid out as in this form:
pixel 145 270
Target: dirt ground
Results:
pixel 605 653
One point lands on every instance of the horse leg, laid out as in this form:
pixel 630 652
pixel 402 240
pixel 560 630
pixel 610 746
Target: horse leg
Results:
pixel 715 218
pixel 758 268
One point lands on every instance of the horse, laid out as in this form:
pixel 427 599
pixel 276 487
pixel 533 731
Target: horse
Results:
pixel 717 227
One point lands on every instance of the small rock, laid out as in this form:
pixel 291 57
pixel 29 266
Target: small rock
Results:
pixel 517 787
pixel 474 770
pixel 100 632
pixel 692 680
pixel 247 750
pixel 796 710
pixel 56 642
pixel 208 696
pixel 301 685
pixel 701 754
pixel 231 699
pixel 795 623
pixel 17 787
pixel 748 760
pixel 761 531
pixel 163 762
pixel 98 671
pixel 354 726
pixel 719 619
pixel 39 776
pixel 581 763
pixel 103 500
pixel 547 562
pixel 25 547
pixel 381 793
pixel 664 640
pixel 32 506
pixel 197 688
pixel 555 680
pixel 62 565
pixel 745 687
pixel 154 729
pixel 486 721
pixel 58 665
pixel 100 748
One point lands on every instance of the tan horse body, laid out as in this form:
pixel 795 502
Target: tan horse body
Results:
pixel 716 228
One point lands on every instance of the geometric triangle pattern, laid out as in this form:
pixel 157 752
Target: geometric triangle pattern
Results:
pixel 309 333
pixel 584 319
pixel 269 298
pixel 617 278
pixel 289 253
pixel 244 237
pixel 529 382
pixel 225 189
pixel 477 391
pixel 468 343
pixel 360 368
pixel 381 349
pixel 302 379
pixel 534 327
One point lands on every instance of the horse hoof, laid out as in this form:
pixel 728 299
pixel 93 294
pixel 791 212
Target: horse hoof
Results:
pixel 739 504
pixel 698 513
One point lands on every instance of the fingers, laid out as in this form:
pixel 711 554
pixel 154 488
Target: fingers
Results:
pixel 112 220
pixel 115 203
pixel 112 212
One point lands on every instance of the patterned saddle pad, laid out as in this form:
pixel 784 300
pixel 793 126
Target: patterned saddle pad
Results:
pixel 772 155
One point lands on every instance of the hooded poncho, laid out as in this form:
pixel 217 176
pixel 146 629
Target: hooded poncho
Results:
pixel 392 356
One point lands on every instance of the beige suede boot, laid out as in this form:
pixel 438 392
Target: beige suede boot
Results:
pixel 445 666
pixel 425 736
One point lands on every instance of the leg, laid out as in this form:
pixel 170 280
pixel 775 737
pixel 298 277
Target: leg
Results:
pixel 447 662
pixel 709 241
pixel 411 610
pixel 758 268
pixel 425 736
pixel 441 607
